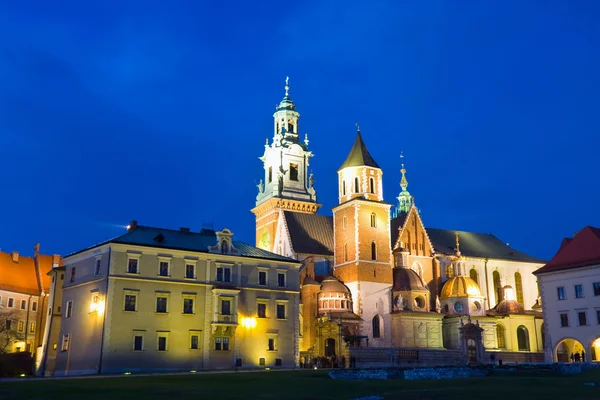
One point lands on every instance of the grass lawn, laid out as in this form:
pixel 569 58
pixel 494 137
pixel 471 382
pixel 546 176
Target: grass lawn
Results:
pixel 301 385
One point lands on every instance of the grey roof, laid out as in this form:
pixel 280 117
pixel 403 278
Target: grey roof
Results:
pixel 310 233
pixel 482 245
pixel 396 224
pixel 359 155
pixel 189 241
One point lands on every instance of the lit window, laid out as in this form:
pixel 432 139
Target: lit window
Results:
pixel 21 326
pixel 578 291
pixel 222 343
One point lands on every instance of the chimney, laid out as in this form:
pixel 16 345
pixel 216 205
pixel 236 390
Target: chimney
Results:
pixel 15 256
pixel 55 261
pixel 184 230
pixel 132 225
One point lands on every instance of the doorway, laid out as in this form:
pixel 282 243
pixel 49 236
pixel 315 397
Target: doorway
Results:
pixel 471 351
pixel 329 347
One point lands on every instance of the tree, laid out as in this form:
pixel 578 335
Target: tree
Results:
pixel 8 331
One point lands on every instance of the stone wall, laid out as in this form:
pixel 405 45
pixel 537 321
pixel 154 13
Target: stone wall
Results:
pixel 510 357
pixel 444 373
pixel 372 357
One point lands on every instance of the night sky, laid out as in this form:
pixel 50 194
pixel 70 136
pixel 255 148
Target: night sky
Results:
pixel 158 111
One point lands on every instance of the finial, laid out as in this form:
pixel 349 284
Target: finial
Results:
pixel 457 242
pixel 306 139
pixel 357 127
pixel 287 85
pixel 267 141
pixel 402 158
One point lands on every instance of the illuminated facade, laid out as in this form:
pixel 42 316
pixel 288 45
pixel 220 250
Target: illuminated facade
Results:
pixel 24 288
pixel 399 284
pixel 157 300
pixel 570 286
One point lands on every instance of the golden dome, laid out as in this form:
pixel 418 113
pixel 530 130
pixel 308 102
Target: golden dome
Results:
pixel 460 286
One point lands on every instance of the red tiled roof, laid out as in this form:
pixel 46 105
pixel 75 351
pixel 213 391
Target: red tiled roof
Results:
pixel 581 251
pixel 18 276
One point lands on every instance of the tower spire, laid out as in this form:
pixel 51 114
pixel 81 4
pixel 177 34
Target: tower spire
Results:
pixel 457 243
pixel 405 200
pixel 287 86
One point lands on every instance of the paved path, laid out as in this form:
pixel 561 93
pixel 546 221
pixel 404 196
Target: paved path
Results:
pixel 136 375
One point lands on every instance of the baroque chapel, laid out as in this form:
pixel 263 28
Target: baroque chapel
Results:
pixel 374 275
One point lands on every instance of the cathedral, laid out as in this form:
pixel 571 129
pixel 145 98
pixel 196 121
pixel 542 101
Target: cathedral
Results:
pixel 375 276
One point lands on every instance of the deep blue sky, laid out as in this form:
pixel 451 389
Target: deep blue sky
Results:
pixel 158 111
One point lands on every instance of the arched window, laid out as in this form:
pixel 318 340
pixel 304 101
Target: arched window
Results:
pixel 474 276
pixel 523 338
pixel 418 268
pixel 345 252
pixel 373 251
pixel 519 288
pixel 376 326
pixel 497 287
pixel 500 336
pixel 373 220
pixel 356 185
pixel 372 185
pixel 224 247
pixel 343 188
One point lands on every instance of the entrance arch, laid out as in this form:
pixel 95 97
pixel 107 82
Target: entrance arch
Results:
pixel 329 347
pixel 567 347
pixel 595 349
pixel 523 338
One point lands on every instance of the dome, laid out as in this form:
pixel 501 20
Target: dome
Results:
pixel 332 285
pixel 460 286
pixel 407 279
pixel 509 307
pixel 308 280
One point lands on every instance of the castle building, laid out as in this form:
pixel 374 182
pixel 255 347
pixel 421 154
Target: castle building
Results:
pixel 570 286
pixel 24 289
pixel 374 275
pixel 157 299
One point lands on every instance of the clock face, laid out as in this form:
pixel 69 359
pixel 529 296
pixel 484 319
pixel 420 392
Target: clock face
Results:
pixel 459 307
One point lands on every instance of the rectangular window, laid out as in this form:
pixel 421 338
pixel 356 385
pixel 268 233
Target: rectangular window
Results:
pixel 226 307
pixel 194 342
pixel 225 343
pixel 560 291
pixel 278 362
pixel 281 279
pixel 69 311
pixel 72 274
pixel 132 266
pixel 261 361
pixel 578 291
pixel 98 264
pixel 270 175
pixel 261 310
pixel 222 343
pixel 262 277
pixel 33 305
pixel 293 172
pixel 65 343
pixel 138 343
pixel 582 318
pixel 162 343
pixel 223 274
pixel 163 268
pixel 31 327
pixel 11 302
pixel 564 320
pixel 161 304
pixel 271 345
pixel 280 311
pixel 596 288
pixel 188 306
pixel 21 326
pixel 190 271
pixel 23 304
pixel 130 302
